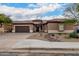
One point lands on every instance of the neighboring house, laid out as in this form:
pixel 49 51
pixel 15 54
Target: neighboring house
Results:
pixel 50 26
pixel 5 28
pixel 77 28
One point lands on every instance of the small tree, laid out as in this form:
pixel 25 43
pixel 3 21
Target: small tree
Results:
pixel 70 21
pixel 77 8
pixel 71 11
pixel 5 20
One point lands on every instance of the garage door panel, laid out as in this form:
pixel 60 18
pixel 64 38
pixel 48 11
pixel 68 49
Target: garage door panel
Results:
pixel 22 29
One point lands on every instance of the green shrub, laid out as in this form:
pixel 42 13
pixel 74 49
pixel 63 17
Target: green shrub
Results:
pixel 59 33
pixel 73 35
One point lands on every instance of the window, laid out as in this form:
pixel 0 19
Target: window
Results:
pixel 61 27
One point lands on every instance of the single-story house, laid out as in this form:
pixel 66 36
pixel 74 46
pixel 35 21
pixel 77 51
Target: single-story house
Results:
pixel 50 26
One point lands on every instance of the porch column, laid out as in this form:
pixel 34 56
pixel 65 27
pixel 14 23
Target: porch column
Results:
pixel 31 29
pixel 13 30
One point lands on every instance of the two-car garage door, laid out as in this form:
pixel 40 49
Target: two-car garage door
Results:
pixel 22 29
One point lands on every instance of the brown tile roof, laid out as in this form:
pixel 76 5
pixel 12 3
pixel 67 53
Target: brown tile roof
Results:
pixel 56 21
pixel 46 21
pixel 22 21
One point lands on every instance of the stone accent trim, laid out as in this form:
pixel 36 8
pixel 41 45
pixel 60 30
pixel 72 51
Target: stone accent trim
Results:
pixel 56 31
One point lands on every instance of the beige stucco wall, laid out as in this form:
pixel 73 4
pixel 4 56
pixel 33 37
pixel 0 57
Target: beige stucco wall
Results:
pixel 69 27
pixel 1 30
pixel 52 26
pixel 56 31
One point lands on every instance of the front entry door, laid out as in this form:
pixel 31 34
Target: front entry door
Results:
pixel 37 28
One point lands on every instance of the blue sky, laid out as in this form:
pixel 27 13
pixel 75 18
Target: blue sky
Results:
pixel 29 11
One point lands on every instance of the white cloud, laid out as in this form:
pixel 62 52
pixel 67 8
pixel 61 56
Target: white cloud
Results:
pixel 28 14
pixel 43 18
pixel 33 5
pixel 54 17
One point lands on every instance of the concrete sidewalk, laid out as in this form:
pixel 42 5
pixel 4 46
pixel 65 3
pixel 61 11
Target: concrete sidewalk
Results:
pixel 39 48
pixel 34 43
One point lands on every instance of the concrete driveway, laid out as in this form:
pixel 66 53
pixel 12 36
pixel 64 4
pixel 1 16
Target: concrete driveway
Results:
pixel 15 36
pixel 8 39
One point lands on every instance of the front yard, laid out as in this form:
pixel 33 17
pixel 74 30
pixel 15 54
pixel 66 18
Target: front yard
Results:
pixel 39 36
pixel 65 37
pixel 61 37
